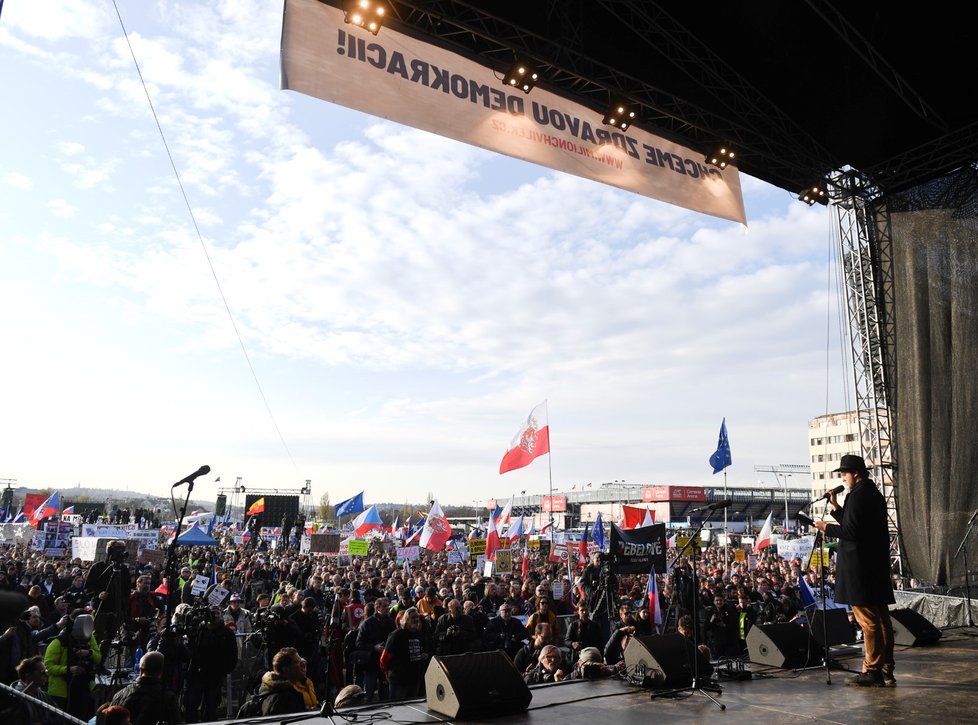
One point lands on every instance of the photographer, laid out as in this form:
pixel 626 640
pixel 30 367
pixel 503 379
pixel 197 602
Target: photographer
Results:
pixel 71 661
pixel 214 655
pixel 590 666
pixel 109 584
pixel 582 632
pixel 505 633
pixel 143 604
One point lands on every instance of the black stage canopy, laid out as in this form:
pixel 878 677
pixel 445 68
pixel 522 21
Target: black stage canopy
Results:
pixel 799 89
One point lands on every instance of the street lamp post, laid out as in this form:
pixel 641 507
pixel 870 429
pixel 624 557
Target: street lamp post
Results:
pixel 784 479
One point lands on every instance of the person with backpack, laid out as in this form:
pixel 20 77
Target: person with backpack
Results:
pixel 147 700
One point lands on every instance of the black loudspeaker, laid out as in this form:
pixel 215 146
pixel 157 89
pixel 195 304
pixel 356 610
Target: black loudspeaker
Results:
pixel 220 507
pixel 7 499
pixel 783 645
pixel 475 684
pixel 911 629
pixel 838 629
pixel 666 659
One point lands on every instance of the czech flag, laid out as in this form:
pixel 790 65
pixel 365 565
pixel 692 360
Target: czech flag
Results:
pixel 50 507
pixel 366 521
pixel 764 538
pixel 515 529
pixel 70 511
pixel 256 508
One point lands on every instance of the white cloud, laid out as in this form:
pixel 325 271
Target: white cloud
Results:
pixel 54 20
pixel 71 148
pixel 17 180
pixel 61 208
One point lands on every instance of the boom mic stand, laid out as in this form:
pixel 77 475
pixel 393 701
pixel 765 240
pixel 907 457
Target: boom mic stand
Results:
pixel 963 549
pixel 703 688
pixel 817 546
pixel 170 567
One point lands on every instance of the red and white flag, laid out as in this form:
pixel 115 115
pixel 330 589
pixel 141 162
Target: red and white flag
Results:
pixel 436 529
pixel 655 606
pixel 504 515
pixel 492 540
pixel 649 519
pixel 531 440
pixel 764 538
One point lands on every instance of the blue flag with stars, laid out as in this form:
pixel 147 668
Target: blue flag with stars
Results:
pixel 721 459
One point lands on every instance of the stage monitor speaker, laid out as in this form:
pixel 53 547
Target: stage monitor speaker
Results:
pixel 475 684
pixel 220 507
pixel 911 629
pixel 783 645
pixel 667 660
pixel 838 629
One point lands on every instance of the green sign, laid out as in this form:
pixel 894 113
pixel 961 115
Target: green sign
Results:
pixel 357 548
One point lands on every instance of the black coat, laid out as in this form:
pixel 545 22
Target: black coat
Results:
pixel 863 563
pixel 149 702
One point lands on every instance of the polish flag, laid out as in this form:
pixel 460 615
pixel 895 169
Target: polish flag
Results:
pixel 436 530
pixel 649 519
pixel 633 517
pixel 492 541
pixel 531 440
pixel 764 538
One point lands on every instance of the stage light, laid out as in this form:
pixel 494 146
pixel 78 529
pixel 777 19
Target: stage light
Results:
pixel 721 156
pixel 521 75
pixel 621 115
pixel 367 14
pixel 814 194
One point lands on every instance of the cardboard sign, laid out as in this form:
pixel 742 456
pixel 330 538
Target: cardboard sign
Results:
pixel 477 546
pixel 740 556
pixel 324 543
pixel 355 547
pixel 217 596
pixel 408 553
pixel 200 585
pixel 504 561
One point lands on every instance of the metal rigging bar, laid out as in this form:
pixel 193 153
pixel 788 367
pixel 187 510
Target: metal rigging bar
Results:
pixel 867 267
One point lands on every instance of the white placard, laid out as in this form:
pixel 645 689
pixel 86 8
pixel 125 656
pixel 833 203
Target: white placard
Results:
pixel 200 585
pixel 217 595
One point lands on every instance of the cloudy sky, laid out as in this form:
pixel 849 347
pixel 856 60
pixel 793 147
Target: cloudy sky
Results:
pixel 396 305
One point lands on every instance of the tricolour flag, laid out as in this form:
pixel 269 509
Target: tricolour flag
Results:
pixel 501 517
pixel 806 593
pixel 70 511
pixel 721 458
pixel 50 507
pixel 351 506
pixel 531 440
pixel 515 529
pixel 655 606
pixel 597 532
pixel 437 530
pixel 256 507
pixel 764 538
pixel 366 521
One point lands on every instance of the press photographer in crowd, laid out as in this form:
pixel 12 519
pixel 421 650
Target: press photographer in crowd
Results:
pixel 72 659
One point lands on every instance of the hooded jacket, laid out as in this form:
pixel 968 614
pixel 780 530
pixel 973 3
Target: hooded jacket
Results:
pixel 279 696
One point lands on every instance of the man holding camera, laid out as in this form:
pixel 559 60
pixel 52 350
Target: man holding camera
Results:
pixel 214 655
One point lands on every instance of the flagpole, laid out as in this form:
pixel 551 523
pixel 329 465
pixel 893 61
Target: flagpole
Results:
pixel 550 472
pixel 726 532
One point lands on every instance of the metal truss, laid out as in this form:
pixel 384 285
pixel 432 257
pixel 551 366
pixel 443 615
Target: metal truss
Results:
pixel 866 246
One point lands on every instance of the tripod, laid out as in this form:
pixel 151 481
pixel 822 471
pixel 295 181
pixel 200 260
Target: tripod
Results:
pixel 703 687
pixel 817 546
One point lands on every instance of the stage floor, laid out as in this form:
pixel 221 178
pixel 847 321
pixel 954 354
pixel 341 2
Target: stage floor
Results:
pixel 937 684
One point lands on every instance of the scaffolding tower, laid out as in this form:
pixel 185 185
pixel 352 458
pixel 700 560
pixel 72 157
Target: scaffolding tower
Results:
pixel 866 265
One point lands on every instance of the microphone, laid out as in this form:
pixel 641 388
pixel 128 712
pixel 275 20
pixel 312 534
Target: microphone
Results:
pixel 715 506
pixel 825 497
pixel 202 471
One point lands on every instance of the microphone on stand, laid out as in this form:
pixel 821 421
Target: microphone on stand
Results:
pixel 825 497
pixel 715 506
pixel 202 471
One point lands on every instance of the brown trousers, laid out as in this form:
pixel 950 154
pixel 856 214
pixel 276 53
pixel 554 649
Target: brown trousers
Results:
pixel 877 630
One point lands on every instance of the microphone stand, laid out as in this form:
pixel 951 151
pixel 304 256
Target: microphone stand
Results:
pixel 703 688
pixel 170 566
pixel 963 549
pixel 817 546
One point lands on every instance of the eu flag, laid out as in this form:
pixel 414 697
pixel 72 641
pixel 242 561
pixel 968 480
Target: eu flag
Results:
pixel 597 532
pixel 721 459
pixel 350 506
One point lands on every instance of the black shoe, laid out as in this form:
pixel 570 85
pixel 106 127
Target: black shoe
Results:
pixel 889 681
pixel 867 679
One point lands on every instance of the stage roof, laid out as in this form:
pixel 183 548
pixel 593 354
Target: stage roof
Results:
pixel 800 89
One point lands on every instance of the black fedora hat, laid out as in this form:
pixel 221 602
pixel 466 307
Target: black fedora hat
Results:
pixel 852 464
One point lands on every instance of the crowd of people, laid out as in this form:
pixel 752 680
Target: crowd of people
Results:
pixel 361 629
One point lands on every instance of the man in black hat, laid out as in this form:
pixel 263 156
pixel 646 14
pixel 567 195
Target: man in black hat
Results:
pixel 863 578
